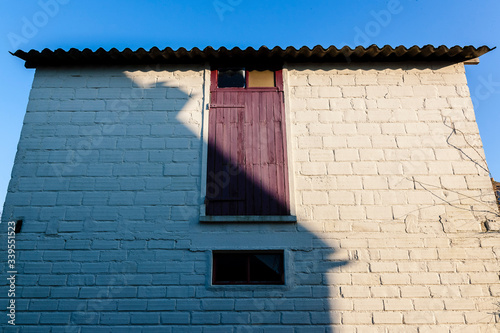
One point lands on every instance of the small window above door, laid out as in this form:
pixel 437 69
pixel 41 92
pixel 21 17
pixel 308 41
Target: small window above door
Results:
pixel 261 79
pixel 244 78
pixel 231 78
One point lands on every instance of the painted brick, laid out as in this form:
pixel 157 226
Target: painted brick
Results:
pixel 64 292
pixel 144 318
pixel 128 204
pixel 175 318
pixel 161 305
pixel 114 318
pixel 210 318
pixel 387 318
pixel 27 318
pixel 54 318
pixel 132 305
pixel 420 317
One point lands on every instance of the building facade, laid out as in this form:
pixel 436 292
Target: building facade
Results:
pixel 290 190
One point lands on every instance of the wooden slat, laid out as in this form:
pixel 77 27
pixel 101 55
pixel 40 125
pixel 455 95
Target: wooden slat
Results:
pixel 232 158
pixel 249 148
pixel 273 185
pixel 264 105
pixel 256 156
pixel 241 162
pixel 222 106
pixel 226 152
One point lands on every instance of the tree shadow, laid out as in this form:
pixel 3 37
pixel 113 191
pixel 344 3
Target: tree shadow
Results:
pixel 127 202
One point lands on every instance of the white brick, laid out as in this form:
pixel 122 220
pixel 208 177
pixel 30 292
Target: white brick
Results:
pixel 368 305
pixel 411 79
pixel 313 168
pixel 387 318
pixel 343 80
pixel 352 212
pixel 346 155
pixel 393 128
pixel 378 213
pixel 339 129
pixel 334 142
pixel 364 168
pixel 310 142
pixel 383 267
pixel 314 198
pixel 455 79
pixel 297 80
pixel 355 291
pixel 355 116
pixel 325 213
pixel 318 155
pixel 400 91
pixel 379 116
pixel 383 141
pixel 302 92
pixel 349 183
pixel 353 91
pixel 427 91
pixel 341 198
pixel 404 115
pixel 454 182
pixel 388 79
pixel 366 79
pixel 390 168
pixel 419 317
pixel 330 116
pixel 320 129
pixel 398 305
pixel 329 92
pixel 389 103
pixel 476 182
pixel 306 116
pixel 414 291
pixel 318 104
pixel 371 154
pixel 368 129
pixel 319 80
pixel 359 142
pixel 340 168
pixel 340 104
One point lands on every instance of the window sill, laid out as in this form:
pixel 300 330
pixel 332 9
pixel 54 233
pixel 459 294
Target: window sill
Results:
pixel 248 218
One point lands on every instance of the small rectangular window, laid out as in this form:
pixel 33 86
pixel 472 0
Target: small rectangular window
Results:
pixel 231 78
pixel 261 79
pixel 246 268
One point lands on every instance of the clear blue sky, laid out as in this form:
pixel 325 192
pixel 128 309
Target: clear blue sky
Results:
pixel 188 23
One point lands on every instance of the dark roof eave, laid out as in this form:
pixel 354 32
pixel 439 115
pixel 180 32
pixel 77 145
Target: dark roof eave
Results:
pixel 373 53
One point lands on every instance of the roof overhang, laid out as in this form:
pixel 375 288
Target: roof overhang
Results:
pixel 262 55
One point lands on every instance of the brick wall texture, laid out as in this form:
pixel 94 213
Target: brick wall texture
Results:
pixel 389 184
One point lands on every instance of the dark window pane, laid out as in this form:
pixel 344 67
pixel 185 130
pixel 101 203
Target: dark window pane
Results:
pixel 230 267
pixel 231 78
pixel 242 267
pixel 266 268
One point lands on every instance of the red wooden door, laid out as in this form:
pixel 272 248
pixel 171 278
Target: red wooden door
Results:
pixel 247 170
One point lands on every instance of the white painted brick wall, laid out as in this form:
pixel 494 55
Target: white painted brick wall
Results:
pixel 108 175
pixel 411 208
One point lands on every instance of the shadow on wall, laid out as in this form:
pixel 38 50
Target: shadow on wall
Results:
pixel 120 188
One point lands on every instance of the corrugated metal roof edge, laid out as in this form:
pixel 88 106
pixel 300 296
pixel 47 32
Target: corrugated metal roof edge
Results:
pixel 75 57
